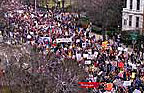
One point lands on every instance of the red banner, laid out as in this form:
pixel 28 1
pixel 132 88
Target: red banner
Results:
pixel 89 84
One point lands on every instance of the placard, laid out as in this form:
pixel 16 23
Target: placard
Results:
pixel 90 51
pixel 88 62
pixel 133 75
pixel 83 45
pixel 127 83
pixel 78 40
pixel 104 44
pixel 45 38
pixel 95 53
pixel 134 66
pixel 20 11
pixel 120 48
pixel 85 55
pixel 78 57
pixel 90 57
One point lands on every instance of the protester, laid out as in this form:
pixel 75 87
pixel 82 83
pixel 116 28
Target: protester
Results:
pixel 108 61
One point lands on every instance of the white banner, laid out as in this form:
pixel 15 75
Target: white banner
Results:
pixel 61 40
pixel 45 38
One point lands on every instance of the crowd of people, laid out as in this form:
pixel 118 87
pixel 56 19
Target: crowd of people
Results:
pixel 106 61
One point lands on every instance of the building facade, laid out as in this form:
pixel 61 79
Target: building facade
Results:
pixel 132 15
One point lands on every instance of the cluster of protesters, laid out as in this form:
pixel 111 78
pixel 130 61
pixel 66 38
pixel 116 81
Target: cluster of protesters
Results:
pixel 106 61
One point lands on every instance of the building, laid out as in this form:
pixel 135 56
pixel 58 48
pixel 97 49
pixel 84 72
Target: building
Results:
pixel 132 15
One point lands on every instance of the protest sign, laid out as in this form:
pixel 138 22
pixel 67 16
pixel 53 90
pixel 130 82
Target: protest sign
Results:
pixel 90 57
pixel 87 62
pixel 78 40
pixel 133 75
pixel 78 57
pixel 90 51
pixel 127 83
pixel 120 48
pixel 133 66
pixel 95 53
pixel 83 45
pixel 85 55
pixel 32 33
pixel 20 11
pixel 45 38
pixel 104 44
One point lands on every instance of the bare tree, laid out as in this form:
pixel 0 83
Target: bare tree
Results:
pixel 103 13
pixel 36 73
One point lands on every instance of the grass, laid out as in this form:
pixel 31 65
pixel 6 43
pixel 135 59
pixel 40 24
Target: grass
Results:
pixel 5 89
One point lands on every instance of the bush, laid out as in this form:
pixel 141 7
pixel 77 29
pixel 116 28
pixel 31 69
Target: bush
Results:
pixel 97 30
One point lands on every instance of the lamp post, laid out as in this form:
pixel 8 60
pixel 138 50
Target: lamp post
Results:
pixel 143 23
pixel 63 3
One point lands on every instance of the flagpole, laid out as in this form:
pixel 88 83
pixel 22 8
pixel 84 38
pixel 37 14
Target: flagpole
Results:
pixel 143 23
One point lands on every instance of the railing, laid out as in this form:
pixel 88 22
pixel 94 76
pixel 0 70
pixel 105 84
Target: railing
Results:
pixel 132 11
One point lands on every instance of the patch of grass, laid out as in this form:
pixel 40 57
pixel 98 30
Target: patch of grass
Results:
pixel 5 89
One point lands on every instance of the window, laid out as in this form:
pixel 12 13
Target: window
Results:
pixel 125 22
pixel 130 20
pixel 137 22
pixel 138 4
pixel 131 4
